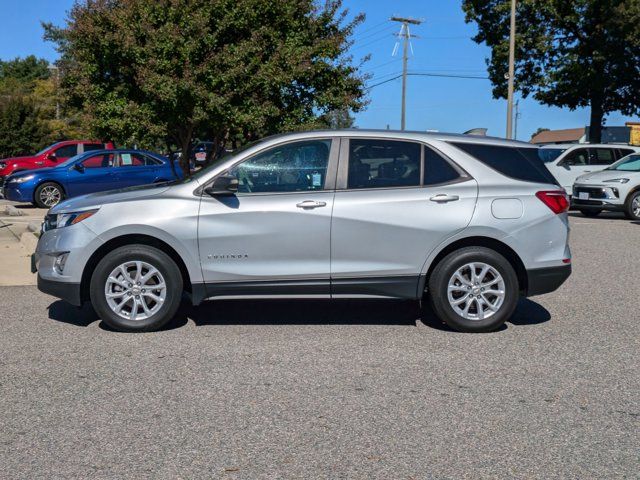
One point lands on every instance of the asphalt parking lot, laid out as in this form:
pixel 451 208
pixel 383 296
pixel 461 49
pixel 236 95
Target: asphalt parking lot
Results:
pixel 349 389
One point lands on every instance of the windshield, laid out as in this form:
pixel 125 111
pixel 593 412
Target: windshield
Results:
pixel 627 164
pixel 71 160
pixel 548 155
pixel 41 152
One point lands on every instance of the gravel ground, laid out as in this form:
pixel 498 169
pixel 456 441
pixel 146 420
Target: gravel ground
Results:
pixel 349 389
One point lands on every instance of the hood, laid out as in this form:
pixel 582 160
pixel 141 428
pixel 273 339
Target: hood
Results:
pixel 95 200
pixel 601 176
pixel 26 158
pixel 24 173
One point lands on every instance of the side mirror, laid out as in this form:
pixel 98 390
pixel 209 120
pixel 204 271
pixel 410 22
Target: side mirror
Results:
pixel 52 157
pixel 222 185
pixel 79 167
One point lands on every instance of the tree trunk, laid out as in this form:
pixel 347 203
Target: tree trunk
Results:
pixel 595 124
pixel 185 146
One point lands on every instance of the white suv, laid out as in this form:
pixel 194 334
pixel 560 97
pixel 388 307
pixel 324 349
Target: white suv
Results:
pixel 568 161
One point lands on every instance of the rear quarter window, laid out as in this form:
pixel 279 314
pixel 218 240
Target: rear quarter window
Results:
pixel 519 163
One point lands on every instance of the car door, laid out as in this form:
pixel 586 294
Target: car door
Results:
pixel 92 174
pixel 395 202
pixel 273 235
pixel 135 168
pixel 570 166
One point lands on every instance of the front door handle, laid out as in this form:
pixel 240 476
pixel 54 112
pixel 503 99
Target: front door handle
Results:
pixel 308 204
pixel 444 198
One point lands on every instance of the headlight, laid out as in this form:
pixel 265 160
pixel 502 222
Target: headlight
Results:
pixel 62 220
pixel 617 180
pixel 21 179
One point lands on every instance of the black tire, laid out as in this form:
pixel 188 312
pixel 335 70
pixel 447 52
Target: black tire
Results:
pixel 132 253
pixel 590 213
pixel 444 271
pixel 38 195
pixel 628 206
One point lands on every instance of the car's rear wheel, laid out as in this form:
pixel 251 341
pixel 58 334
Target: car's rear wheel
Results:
pixel 48 195
pixel 474 289
pixel 590 213
pixel 136 288
pixel 632 206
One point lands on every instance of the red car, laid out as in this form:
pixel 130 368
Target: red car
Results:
pixel 51 156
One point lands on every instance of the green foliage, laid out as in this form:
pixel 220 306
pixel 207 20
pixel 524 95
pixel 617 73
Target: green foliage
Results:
pixel 25 70
pixel 569 53
pixel 167 71
pixel 21 131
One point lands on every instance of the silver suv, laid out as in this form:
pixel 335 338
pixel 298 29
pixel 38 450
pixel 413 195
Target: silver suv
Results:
pixel 468 223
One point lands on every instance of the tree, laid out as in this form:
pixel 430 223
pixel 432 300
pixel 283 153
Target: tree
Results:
pixel 168 71
pixel 21 131
pixel 581 53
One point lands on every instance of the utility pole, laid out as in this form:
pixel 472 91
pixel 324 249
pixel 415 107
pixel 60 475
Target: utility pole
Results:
pixel 516 117
pixel 511 74
pixel 53 68
pixel 406 35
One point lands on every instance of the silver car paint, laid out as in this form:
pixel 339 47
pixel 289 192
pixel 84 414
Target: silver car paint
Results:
pixel 597 180
pixel 381 232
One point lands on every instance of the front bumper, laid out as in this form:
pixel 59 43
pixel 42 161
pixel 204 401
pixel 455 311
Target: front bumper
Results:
pixel 596 197
pixel 12 192
pixel 546 280
pixel 69 292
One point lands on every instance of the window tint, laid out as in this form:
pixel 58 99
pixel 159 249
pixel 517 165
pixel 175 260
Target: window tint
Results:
pixel 623 152
pixel 293 167
pixel 67 151
pixel 99 161
pixel 437 169
pixel 89 147
pixel 548 155
pixel 578 157
pixel 520 163
pixel 601 156
pixel 383 163
pixel 631 164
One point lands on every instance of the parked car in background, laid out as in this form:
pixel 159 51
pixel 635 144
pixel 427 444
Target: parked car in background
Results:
pixel 616 188
pixel 568 161
pixel 51 156
pixel 88 173
pixel 467 223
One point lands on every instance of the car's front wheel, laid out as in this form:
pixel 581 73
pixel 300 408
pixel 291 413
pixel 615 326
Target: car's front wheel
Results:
pixel 136 288
pixel 474 289
pixel 48 195
pixel 632 206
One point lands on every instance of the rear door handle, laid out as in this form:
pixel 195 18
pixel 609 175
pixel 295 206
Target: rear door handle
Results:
pixel 308 204
pixel 444 198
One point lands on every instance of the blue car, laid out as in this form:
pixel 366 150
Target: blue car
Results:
pixel 90 172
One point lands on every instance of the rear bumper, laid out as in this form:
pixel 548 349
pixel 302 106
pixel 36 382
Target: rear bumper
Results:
pixel 595 205
pixel 546 280
pixel 69 292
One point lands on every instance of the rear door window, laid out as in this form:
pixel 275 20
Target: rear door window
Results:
pixel 90 147
pixel 578 157
pixel 601 156
pixel 437 169
pixel 519 163
pixel 377 163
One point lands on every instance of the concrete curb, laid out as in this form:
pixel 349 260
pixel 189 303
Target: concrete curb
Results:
pixel 13 211
pixel 29 241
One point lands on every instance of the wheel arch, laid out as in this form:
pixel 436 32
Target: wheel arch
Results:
pixel 41 182
pixel 129 239
pixel 479 241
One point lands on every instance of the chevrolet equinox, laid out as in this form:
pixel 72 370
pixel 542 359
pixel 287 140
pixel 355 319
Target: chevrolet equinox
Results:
pixel 467 223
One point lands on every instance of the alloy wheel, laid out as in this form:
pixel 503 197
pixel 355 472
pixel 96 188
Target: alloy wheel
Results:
pixel 50 196
pixel 135 290
pixel 476 291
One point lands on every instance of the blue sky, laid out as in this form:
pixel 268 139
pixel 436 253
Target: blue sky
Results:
pixel 444 104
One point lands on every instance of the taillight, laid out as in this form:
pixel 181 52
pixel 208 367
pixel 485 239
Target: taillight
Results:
pixel 556 200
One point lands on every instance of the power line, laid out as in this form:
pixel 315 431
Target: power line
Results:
pixel 385 29
pixel 374 27
pixel 437 75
